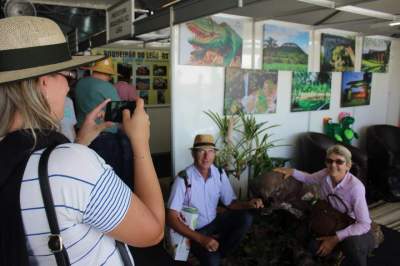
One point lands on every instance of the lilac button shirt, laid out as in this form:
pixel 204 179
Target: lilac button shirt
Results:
pixel 351 191
pixel 203 195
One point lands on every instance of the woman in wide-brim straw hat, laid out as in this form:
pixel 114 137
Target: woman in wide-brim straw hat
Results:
pixel 93 206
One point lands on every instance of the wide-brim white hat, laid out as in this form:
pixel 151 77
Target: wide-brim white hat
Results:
pixel 34 46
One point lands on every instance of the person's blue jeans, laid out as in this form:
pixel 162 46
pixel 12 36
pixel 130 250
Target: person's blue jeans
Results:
pixel 355 249
pixel 116 150
pixel 228 228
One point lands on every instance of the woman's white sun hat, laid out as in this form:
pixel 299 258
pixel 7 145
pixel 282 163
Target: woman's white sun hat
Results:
pixel 34 46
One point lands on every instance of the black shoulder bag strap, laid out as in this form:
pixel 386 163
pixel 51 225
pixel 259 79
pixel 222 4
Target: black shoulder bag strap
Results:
pixel 55 241
pixel 340 200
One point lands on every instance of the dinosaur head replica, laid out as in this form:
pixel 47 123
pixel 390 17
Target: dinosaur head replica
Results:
pixel 218 38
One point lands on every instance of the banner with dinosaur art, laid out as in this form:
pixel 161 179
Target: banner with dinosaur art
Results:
pixel 285 48
pixel 311 91
pixel 250 91
pixel 356 89
pixel 213 40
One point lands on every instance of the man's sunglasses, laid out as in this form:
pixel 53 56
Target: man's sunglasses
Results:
pixel 67 74
pixel 337 161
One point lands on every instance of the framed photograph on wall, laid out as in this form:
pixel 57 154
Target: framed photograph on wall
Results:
pixel 311 91
pixel 214 40
pixel 250 91
pixel 160 83
pixel 375 55
pixel 142 83
pixel 125 72
pixel 285 48
pixel 142 70
pixel 160 70
pixel 337 53
pixel 356 89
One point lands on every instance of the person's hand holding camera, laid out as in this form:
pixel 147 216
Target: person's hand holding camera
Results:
pixel 137 125
pixel 90 129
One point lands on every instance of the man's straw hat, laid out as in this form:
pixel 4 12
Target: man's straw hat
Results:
pixel 104 66
pixel 204 141
pixel 32 47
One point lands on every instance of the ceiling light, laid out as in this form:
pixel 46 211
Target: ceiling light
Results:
pixel 324 3
pixel 367 12
pixel 394 23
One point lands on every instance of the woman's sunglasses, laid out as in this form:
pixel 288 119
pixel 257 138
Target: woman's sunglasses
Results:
pixel 67 74
pixel 337 161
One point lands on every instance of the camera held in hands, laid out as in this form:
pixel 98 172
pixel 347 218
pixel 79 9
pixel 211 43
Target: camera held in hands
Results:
pixel 114 110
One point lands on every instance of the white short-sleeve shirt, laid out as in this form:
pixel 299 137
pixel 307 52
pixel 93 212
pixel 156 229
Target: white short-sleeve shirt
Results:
pixel 203 195
pixel 89 198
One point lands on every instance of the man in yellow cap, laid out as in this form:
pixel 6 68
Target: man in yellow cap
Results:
pixel 92 90
pixel 201 186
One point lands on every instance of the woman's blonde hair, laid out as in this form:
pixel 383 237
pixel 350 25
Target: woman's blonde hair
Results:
pixel 25 98
pixel 341 151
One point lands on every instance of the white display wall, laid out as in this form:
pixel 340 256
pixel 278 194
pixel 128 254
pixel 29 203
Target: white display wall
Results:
pixel 199 88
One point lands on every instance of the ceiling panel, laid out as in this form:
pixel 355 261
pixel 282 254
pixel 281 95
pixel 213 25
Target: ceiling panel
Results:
pixel 304 13
pixel 95 4
pixel 389 6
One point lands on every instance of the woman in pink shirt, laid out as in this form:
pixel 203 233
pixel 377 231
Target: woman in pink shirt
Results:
pixel 356 240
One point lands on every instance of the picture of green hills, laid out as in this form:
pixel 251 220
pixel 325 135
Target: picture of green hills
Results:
pixel 285 48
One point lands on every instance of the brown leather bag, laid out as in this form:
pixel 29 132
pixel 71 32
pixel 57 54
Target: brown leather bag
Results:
pixel 326 220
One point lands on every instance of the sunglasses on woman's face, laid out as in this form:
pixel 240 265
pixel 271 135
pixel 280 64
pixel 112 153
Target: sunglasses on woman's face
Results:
pixel 67 74
pixel 337 161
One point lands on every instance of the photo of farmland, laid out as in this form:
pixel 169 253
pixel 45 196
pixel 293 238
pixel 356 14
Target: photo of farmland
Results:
pixel 285 48
pixel 375 55
pixel 311 91
pixel 356 89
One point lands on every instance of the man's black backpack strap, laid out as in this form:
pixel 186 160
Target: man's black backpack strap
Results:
pixel 183 174
pixel 55 241
pixel 221 171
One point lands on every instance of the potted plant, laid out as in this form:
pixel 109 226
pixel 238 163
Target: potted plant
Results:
pixel 243 144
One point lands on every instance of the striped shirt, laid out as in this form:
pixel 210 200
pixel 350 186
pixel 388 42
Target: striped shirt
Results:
pixel 89 198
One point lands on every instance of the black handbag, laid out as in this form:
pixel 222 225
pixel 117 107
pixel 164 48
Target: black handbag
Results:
pixel 55 242
pixel 326 220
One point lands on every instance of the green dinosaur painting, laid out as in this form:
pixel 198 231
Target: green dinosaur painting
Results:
pixel 214 43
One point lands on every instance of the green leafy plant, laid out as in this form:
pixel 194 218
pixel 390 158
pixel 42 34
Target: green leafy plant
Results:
pixel 243 143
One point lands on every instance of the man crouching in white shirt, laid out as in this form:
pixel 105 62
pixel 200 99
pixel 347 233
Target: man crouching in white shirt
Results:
pixel 202 186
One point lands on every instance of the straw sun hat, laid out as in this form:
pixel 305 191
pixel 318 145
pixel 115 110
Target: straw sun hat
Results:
pixel 34 46
pixel 104 66
pixel 204 141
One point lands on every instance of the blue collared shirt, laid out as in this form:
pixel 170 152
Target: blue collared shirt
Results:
pixel 203 194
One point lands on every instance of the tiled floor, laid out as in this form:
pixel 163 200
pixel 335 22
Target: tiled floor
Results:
pixel 386 213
